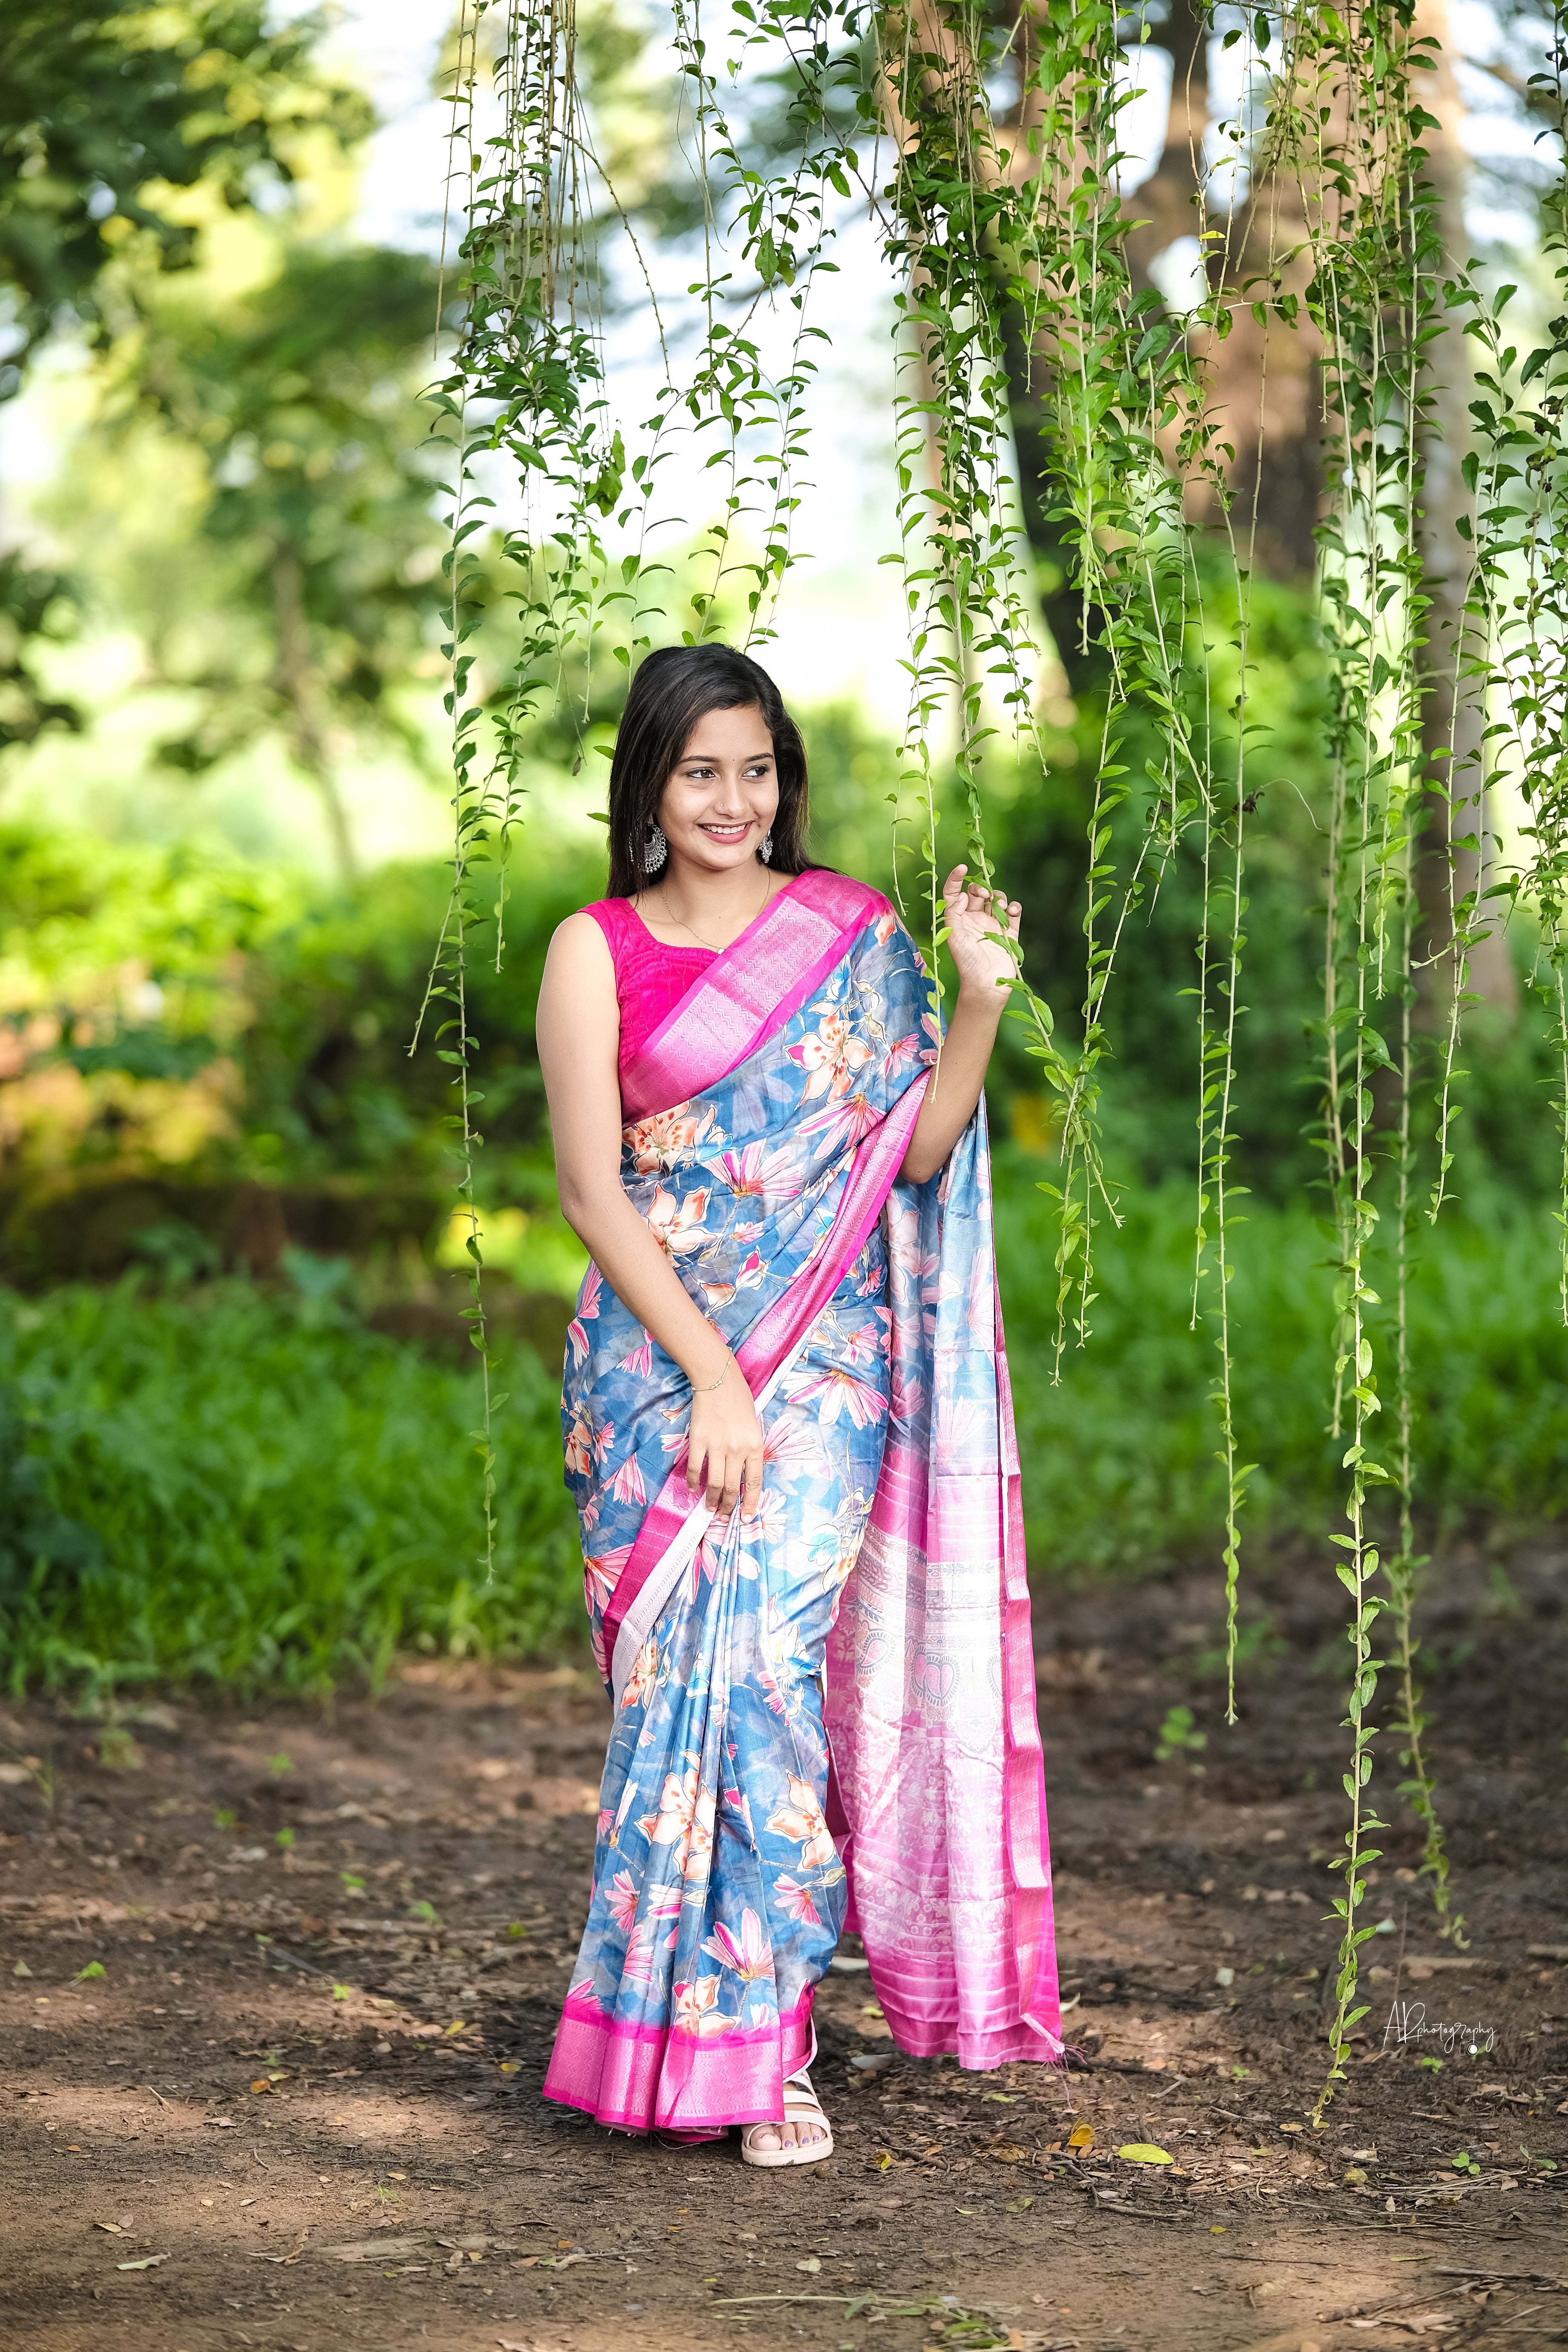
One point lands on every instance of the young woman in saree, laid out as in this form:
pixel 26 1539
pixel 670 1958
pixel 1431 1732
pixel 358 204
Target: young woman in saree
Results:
pixel 790 1437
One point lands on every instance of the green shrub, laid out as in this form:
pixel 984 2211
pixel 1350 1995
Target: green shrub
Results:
pixel 272 1494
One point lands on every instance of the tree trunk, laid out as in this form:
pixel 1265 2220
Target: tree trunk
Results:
pixel 1167 204
pixel 294 677
pixel 1265 398
pixel 1453 714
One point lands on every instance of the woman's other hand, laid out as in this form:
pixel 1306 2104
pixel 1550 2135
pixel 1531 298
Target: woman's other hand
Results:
pixel 979 923
pixel 726 1442
pixel 975 918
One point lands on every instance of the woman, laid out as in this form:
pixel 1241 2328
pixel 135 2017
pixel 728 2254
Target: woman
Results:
pixel 789 1433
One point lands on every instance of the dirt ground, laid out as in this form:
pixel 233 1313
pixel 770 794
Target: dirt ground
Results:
pixel 277 1987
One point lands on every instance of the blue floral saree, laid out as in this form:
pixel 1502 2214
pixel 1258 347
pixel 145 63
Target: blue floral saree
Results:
pixel 823 1717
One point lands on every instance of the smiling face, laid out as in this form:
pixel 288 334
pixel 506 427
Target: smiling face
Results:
pixel 722 792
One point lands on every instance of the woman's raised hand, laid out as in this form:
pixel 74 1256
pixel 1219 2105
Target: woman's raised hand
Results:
pixel 726 1440
pixel 975 918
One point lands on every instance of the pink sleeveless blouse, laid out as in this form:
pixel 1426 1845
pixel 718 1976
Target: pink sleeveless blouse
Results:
pixel 650 978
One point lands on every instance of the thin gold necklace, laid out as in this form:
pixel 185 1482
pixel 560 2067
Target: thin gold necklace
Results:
pixel 682 926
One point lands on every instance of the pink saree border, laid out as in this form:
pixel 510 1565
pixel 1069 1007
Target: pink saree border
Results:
pixel 749 991
pixel 654 2077
pixel 1023 1770
pixel 775 1334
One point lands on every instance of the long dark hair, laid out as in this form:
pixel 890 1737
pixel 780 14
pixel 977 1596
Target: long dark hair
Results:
pixel 671 691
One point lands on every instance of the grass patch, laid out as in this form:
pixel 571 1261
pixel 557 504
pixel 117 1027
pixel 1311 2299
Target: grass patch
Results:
pixel 1119 1469
pixel 236 1486
pixel 246 1487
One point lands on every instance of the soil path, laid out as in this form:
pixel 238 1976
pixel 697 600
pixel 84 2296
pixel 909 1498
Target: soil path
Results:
pixel 276 1988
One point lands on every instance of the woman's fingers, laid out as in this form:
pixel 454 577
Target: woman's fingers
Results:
pixel 726 1478
pixel 728 1464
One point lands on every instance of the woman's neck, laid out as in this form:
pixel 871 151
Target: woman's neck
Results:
pixel 691 905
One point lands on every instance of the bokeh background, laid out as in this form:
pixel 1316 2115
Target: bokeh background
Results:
pixel 236 1397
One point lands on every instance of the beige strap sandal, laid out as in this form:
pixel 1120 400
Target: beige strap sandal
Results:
pixel 800 2106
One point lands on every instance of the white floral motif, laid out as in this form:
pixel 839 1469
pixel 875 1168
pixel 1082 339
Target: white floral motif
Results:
pixel 670 1138
pixel 676 1225
pixel 804 1817
pixel 685 1820
pixel 830 1055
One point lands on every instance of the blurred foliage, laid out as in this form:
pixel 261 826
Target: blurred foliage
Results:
pixel 318 501
pixel 246 483
pixel 34 599
pixel 181 1028
pixel 107 112
pixel 184 1026
pixel 181 1031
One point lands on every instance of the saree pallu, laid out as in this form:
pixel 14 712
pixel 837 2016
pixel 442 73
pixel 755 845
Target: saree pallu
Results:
pixel 823 1717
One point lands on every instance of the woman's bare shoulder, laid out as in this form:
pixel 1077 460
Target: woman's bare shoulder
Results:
pixel 579 977
pixel 580 942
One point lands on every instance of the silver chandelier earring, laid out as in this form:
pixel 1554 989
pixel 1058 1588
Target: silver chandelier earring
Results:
pixel 765 847
pixel 655 850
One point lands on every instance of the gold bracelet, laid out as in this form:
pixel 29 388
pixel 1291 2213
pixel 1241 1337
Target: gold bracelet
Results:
pixel 711 1384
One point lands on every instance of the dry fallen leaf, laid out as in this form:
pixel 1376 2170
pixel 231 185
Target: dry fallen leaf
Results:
pixel 1008 2151
pixel 810 2264
pixel 143 2262
pixel 365 2250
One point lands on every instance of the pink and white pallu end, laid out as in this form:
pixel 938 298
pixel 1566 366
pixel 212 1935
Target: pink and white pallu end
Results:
pixel 938 1793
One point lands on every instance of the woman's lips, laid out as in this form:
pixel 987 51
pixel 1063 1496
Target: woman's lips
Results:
pixel 726 832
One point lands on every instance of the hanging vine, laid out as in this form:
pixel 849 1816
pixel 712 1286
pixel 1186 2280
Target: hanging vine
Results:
pixel 998 196
pixel 527 384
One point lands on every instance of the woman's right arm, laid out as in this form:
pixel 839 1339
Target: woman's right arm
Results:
pixel 579 1038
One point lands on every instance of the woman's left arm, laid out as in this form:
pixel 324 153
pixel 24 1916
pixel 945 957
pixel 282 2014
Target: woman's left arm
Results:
pixel 985 973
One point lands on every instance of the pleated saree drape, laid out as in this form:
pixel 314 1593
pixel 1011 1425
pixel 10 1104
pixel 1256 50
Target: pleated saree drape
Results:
pixel 823 1717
